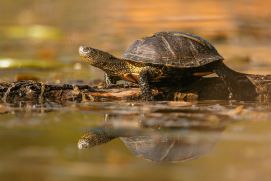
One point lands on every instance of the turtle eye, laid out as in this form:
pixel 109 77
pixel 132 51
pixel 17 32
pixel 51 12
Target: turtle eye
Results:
pixel 83 49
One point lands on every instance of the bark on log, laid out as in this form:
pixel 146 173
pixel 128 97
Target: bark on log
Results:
pixel 204 89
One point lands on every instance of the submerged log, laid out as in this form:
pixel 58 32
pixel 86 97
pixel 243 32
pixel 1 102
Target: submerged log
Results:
pixel 203 89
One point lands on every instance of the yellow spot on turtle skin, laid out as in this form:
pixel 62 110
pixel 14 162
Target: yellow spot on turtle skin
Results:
pixel 200 74
pixel 135 67
pixel 190 37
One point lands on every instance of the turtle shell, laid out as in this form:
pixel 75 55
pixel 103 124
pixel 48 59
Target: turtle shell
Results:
pixel 165 148
pixel 173 49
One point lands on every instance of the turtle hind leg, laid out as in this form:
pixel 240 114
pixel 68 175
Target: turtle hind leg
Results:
pixel 145 77
pixel 110 80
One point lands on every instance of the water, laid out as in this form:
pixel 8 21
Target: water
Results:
pixel 204 140
pixel 207 136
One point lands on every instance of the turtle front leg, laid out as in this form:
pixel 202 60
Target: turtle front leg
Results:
pixel 110 79
pixel 145 77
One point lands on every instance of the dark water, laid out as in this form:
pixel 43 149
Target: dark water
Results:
pixel 207 140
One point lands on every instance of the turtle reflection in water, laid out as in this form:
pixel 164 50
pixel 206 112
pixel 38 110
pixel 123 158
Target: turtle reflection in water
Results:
pixel 178 142
pixel 168 59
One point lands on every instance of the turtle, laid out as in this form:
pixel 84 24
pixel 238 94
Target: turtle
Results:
pixel 159 141
pixel 180 134
pixel 165 58
pixel 156 146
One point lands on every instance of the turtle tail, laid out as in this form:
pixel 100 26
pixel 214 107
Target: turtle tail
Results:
pixel 239 84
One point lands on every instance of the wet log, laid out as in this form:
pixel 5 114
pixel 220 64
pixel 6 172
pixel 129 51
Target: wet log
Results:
pixel 203 89
pixel 38 92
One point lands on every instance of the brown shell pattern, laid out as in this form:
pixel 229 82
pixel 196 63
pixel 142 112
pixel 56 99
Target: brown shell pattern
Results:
pixel 173 49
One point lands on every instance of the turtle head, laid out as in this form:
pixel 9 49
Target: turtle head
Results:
pixel 95 137
pixel 94 56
